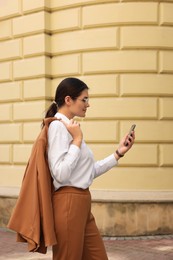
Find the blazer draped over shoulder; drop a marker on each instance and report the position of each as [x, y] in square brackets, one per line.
[33, 217]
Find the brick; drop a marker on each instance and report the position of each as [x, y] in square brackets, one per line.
[166, 151]
[166, 11]
[148, 154]
[33, 6]
[5, 112]
[150, 37]
[166, 108]
[11, 91]
[132, 107]
[68, 19]
[37, 89]
[10, 133]
[120, 13]
[153, 85]
[31, 24]
[84, 40]
[32, 67]
[106, 134]
[31, 131]
[150, 131]
[21, 153]
[130, 61]
[25, 111]
[54, 84]
[5, 71]
[10, 50]
[36, 45]
[9, 8]
[99, 85]
[5, 153]
[6, 30]
[135, 178]
[166, 61]
[11, 176]
[59, 4]
[66, 65]
[102, 85]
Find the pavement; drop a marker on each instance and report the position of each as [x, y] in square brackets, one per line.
[118, 248]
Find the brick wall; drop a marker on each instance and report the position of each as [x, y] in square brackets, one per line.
[123, 50]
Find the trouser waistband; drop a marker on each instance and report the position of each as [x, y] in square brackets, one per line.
[69, 189]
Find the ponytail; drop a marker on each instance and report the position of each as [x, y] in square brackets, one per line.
[52, 110]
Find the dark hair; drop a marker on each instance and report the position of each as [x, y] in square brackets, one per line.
[68, 87]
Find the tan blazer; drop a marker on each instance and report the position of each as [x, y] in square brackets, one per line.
[32, 217]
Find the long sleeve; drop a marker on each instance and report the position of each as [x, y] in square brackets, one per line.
[104, 165]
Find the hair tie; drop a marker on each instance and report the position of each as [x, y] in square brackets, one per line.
[54, 102]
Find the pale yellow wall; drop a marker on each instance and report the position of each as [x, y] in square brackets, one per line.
[123, 50]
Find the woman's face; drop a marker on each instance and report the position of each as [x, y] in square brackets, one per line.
[79, 106]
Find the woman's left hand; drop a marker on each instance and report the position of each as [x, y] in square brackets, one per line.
[125, 144]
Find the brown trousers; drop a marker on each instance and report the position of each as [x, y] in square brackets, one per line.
[77, 235]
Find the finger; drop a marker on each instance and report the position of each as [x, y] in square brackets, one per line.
[76, 123]
[134, 135]
[129, 141]
[126, 140]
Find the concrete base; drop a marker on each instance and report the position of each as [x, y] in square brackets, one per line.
[117, 215]
[133, 219]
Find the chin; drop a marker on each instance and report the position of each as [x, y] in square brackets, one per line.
[81, 115]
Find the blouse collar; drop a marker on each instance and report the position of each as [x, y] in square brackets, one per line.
[62, 116]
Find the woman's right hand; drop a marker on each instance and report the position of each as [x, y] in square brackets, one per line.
[74, 129]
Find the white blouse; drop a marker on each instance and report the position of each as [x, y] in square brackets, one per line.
[69, 164]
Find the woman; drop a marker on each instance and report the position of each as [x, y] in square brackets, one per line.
[73, 169]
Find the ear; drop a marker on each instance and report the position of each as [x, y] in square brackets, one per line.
[68, 100]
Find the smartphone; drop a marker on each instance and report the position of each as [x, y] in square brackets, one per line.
[132, 128]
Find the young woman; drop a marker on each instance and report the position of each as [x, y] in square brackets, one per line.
[73, 169]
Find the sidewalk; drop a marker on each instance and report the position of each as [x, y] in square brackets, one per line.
[122, 248]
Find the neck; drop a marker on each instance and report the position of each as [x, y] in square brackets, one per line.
[66, 113]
